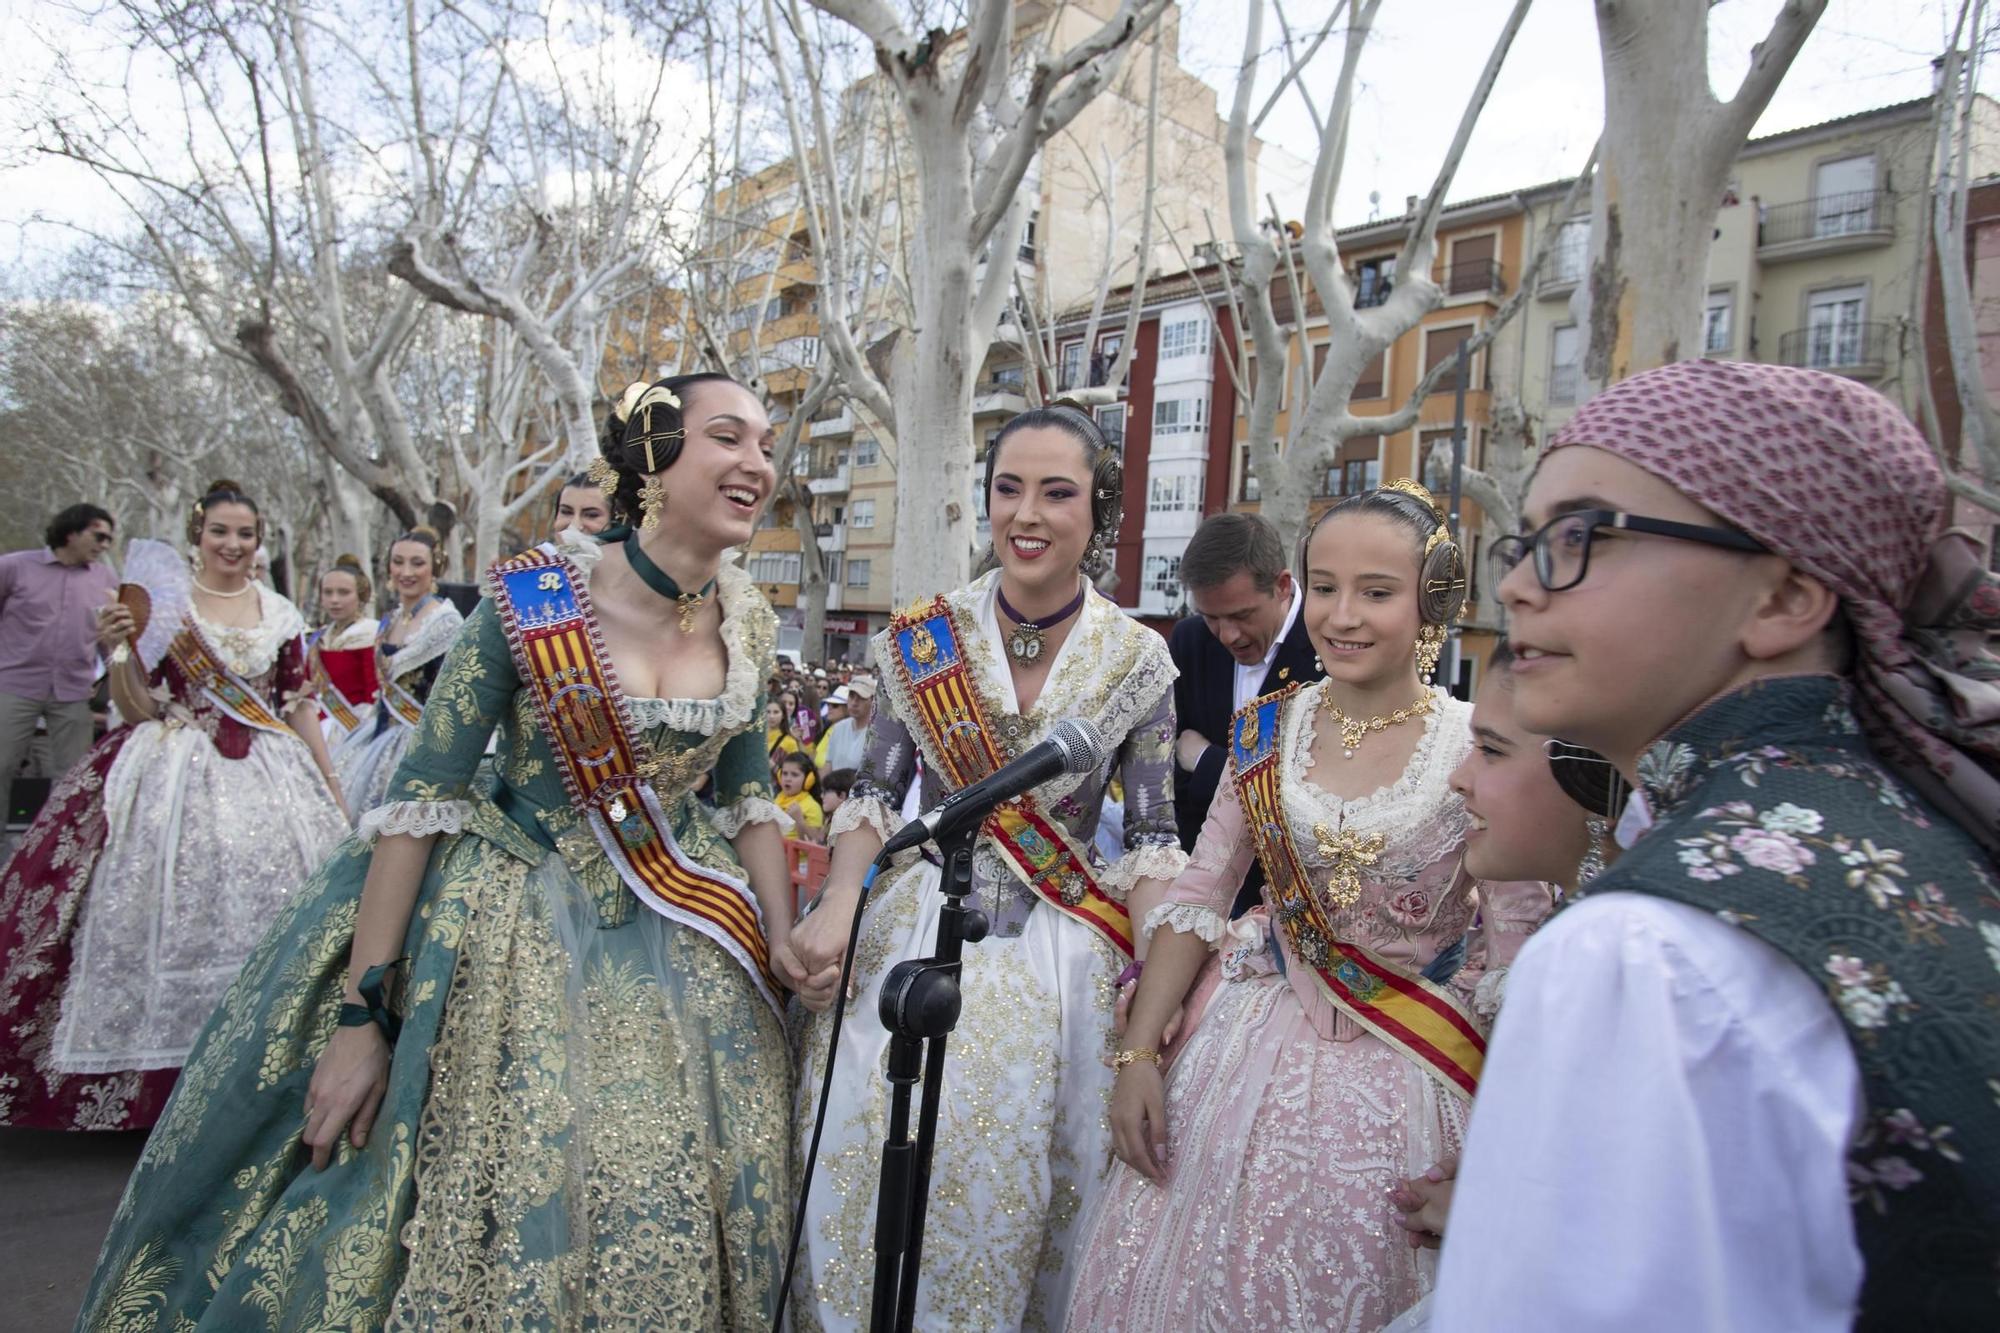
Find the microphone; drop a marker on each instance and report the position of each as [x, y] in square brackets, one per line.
[1074, 745]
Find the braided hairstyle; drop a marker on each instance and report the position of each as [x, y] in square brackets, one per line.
[1441, 583]
[1107, 474]
[643, 434]
[427, 537]
[219, 492]
[350, 564]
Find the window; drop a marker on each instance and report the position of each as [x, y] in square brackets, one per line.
[1435, 448]
[1569, 254]
[857, 573]
[1833, 327]
[1184, 337]
[1162, 575]
[1319, 363]
[831, 563]
[1565, 364]
[1474, 266]
[1442, 345]
[861, 514]
[1373, 280]
[1716, 335]
[866, 452]
[1069, 374]
[1180, 416]
[1010, 377]
[1370, 383]
[1356, 468]
[1249, 488]
[1844, 196]
[1111, 420]
[1176, 494]
[1028, 236]
[775, 567]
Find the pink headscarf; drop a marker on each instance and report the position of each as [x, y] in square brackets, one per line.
[1834, 478]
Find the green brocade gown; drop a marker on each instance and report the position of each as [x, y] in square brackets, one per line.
[586, 1124]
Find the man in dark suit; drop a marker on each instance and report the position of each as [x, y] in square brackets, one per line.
[1245, 639]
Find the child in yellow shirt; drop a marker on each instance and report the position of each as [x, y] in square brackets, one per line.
[794, 771]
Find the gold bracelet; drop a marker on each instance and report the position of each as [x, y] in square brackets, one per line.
[1123, 1058]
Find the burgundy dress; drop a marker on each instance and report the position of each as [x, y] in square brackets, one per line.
[152, 869]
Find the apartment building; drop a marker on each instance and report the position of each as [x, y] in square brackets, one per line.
[1820, 250]
[850, 468]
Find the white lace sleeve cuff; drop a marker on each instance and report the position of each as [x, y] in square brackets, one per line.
[1488, 995]
[1188, 919]
[1161, 860]
[419, 819]
[871, 811]
[732, 819]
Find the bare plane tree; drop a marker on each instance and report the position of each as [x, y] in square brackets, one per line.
[976, 107]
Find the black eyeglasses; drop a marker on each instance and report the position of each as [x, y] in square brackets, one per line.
[1562, 545]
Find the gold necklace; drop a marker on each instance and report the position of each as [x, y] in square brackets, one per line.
[1354, 730]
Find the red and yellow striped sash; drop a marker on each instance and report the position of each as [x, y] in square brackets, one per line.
[223, 687]
[933, 670]
[1411, 1013]
[609, 776]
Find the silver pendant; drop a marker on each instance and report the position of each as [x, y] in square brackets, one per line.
[617, 810]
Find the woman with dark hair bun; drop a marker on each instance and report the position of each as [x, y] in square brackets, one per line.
[973, 679]
[515, 1055]
[159, 861]
[410, 644]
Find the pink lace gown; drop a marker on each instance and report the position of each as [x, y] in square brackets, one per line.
[1287, 1122]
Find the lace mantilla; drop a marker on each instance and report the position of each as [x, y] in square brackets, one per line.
[249, 652]
[1416, 814]
[1124, 670]
[732, 819]
[419, 819]
[1188, 919]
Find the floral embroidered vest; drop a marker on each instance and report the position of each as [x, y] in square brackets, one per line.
[1770, 811]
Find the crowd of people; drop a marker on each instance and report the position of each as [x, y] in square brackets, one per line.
[456, 965]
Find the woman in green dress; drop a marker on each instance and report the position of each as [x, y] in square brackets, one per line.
[513, 1058]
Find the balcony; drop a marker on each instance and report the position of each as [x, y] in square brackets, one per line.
[1370, 289]
[994, 396]
[1827, 225]
[834, 483]
[1565, 267]
[840, 423]
[1472, 277]
[1860, 351]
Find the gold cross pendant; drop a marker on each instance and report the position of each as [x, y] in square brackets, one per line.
[1350, 854]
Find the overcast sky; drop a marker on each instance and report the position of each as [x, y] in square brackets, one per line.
[1540, 123]
[1548, 105]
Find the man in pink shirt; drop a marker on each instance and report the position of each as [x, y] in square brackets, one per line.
[49, 598]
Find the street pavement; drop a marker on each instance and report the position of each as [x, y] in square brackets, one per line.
[57, 1194]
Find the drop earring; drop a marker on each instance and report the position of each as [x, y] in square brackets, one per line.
[1430, 645]
[652, 499]
[195, 561]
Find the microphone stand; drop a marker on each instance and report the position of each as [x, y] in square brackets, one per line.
[919, 1006]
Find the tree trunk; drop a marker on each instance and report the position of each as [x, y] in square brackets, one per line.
[1668, 148]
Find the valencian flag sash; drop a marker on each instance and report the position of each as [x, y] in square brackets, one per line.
[608, 772]
[926, 642]
[400, 701]
[228, 691]
[1412, 1014]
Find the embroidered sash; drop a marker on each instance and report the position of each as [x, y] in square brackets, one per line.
[235, 696]
[1412, 1014]
[938, 681]
[609, 775]
[425, 645]
[337, 705]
